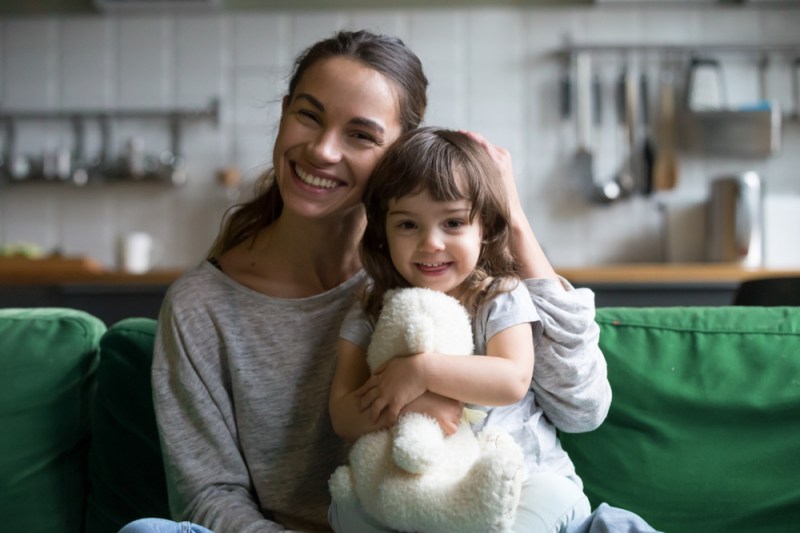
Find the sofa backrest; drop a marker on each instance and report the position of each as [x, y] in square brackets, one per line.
[704, 428]
[48, 359]
[125, 468]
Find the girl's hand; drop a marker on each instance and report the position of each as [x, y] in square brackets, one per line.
[392, 386]
[446, 411]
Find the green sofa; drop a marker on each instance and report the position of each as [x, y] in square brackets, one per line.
[703, 433]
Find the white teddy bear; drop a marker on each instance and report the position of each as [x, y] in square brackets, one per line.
[413, 477]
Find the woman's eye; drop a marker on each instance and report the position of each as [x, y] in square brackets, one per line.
[364, 137]
[310, 115]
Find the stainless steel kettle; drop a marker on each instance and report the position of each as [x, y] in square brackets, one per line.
[734, 220]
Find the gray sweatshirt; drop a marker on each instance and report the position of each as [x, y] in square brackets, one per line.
[241, 385]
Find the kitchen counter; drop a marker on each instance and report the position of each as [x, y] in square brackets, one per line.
[82, 283]
[14, 271]
[668, 273]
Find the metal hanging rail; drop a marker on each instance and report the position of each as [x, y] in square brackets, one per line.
[678, 49]
[210, 112]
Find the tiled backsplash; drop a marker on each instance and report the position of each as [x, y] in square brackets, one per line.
[491, 69]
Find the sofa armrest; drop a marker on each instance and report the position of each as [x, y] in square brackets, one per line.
[48, 358]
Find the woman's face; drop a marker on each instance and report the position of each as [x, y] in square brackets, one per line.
[338, 123]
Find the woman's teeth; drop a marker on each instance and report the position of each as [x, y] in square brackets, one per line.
[314, 181]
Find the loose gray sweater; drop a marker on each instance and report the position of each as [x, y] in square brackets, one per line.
[241, 385]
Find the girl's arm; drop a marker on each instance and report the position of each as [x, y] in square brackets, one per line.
[350, 421]
[502, 377]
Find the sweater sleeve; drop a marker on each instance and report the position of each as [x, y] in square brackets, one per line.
[570, 380]
[207, 478]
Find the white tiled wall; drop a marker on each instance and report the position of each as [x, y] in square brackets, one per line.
[491, 70]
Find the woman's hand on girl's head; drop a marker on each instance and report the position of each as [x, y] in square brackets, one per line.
[533, 263]
[502, 159]
[392, 386]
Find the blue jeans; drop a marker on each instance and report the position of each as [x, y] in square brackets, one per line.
[548, 503]
[161, 525]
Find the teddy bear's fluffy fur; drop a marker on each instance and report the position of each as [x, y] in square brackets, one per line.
[413, 477]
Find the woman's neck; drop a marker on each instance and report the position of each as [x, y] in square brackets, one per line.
[296, 257]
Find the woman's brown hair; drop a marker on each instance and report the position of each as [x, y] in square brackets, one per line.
[386, 55]
[450, 166]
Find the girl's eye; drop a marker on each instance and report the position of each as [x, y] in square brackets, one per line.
[406, 224]
[454, 223]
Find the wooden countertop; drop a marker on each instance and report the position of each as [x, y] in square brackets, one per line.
[65, 270]
[662, 273]
[49, 271]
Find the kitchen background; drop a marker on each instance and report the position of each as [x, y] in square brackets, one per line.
[496, 70]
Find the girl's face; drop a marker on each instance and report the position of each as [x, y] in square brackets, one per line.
[433, 244]
[336, 126]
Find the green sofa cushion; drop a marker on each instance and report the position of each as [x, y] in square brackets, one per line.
[704, 428]
[125, 466]
[48, 358]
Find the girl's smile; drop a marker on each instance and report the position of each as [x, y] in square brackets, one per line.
[433, 244]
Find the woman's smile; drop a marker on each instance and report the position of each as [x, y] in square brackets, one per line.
[316, 181]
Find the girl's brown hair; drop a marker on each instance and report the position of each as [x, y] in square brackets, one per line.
[450, 166]
[386, 55]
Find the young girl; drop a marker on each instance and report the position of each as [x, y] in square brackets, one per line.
[437, 217]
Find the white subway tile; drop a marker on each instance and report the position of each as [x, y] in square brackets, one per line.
[145, 59]
[86, 71]
[260, 40]
[30, 64]
[200, 60]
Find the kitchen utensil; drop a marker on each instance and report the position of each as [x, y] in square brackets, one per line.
[665, 165]
[648, 147]
[626, 105]
[583, 167]
[734, 220]
[705, 86]
[587, 115]
[796, 86]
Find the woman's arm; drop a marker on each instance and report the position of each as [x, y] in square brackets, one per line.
[524, 245]
[571, 382]
[501, 378]
[207, 478]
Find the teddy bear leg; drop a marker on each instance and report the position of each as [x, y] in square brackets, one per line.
[417, 442]
[493, 484]
[341, 485]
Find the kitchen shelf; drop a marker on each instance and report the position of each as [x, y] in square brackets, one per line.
[73, 167]
[210, 112]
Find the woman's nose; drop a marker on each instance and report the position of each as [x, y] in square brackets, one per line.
[325, 148]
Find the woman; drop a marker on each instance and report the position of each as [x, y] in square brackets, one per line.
[246, 346]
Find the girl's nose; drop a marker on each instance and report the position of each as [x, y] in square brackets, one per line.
[324, 148]
[431, 241]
